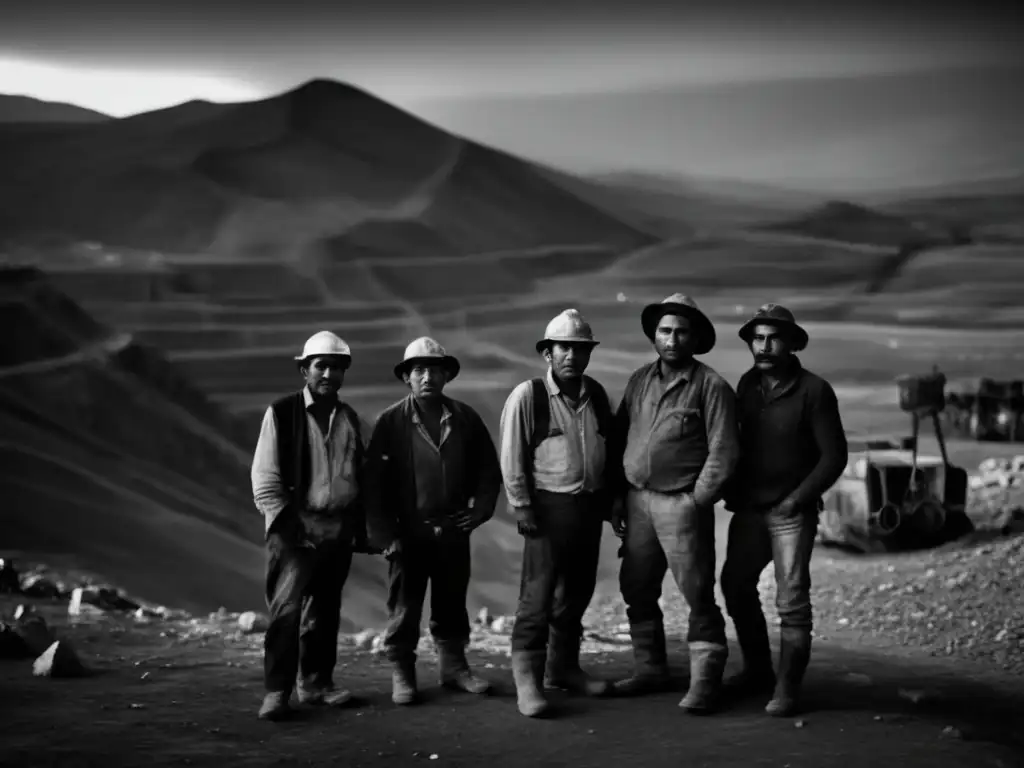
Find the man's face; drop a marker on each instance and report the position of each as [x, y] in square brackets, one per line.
[770, 346]
[426, 380]
[568, 361]
[674, 340]
[325, 375]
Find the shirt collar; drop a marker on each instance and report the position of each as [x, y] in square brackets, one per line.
[554, 391]
[307, 396]
[445, 413]
[685, 375]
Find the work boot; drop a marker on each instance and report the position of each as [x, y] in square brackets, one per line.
[563, 669]
[794, 655]
[275, 705]
[403, 683]
[707, 663]
[455, 672]
[650, 661]
[756, 677]
[527, 668]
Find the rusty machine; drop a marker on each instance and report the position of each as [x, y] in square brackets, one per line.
[986, 409]
[891, 497]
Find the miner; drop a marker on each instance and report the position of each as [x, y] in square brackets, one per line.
[432, 478]
[677, 442]
[306, 480]
[793, 448]
[553, 434]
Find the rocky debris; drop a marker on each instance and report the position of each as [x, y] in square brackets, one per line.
[12, 645]
[102, 598]
[364, 641]
[39, 585]
[9, 581]
[996, 494]
[484, 617]
[37, 636]
[23, 612]
[59, 660]
[251, 622]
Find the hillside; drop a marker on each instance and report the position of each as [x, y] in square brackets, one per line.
[323, 170]
[25, 109]
[116, 462]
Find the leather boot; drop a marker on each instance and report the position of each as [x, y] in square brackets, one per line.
[563, 668]
[403, 683]
[707, 663]
[455, 672]
[756, 676]
[650, 658]
[794, 655]
[275, 706]
[527, 668]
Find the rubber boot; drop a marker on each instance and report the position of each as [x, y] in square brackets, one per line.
[707, 663]
[527, 667]
[650, 660]
[455, 672]
[756, 677]
[403, 683]
[563, 668]
[794, 655]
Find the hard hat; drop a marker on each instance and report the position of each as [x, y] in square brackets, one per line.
[428, 350]
[568, 327]
[324, 343]
[684, 306]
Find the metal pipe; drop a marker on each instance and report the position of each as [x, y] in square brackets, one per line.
[885, 520]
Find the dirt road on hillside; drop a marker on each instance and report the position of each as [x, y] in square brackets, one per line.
[160, 701]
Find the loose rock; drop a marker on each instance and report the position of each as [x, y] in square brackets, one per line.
[38, 585]
[59, 660]
[251, 622]
[35, 633]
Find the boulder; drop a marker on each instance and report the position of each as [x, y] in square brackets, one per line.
[12, 645]
[251, 622]
[59, 660]
[35, 633]
[101, 598]
[364, 640]
[39, 585]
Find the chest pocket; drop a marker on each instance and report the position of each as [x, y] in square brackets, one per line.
[552, 455]
[686, 422]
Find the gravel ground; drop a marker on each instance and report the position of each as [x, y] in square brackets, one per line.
[964, 600]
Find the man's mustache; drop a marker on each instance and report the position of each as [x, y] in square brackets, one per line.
[765, 358]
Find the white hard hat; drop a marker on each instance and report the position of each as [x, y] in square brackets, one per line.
[427, 349]
[568, 327]
[324, 343]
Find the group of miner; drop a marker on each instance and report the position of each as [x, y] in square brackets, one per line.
[415, 485]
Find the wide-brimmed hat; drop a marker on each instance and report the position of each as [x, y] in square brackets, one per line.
[780, 317]
[568, 327]
[427, 350]
[324, 344]
[682, 305]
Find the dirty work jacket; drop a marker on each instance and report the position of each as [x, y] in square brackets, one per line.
[570, 461]
[792, 441]
[468, 458]
[332, 471]
[674, 436]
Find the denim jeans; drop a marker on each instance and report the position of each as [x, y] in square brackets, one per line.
[444, 563]
[662, 532]
[303, 593]
[559, 570]
[757, 538]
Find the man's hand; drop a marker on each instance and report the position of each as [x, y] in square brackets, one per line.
[465, 521]
[787, 508]
[526, 521]
[393, 550]
[619, 518]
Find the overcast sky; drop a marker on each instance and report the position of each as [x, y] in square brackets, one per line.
[488, 70]
[134, 55]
